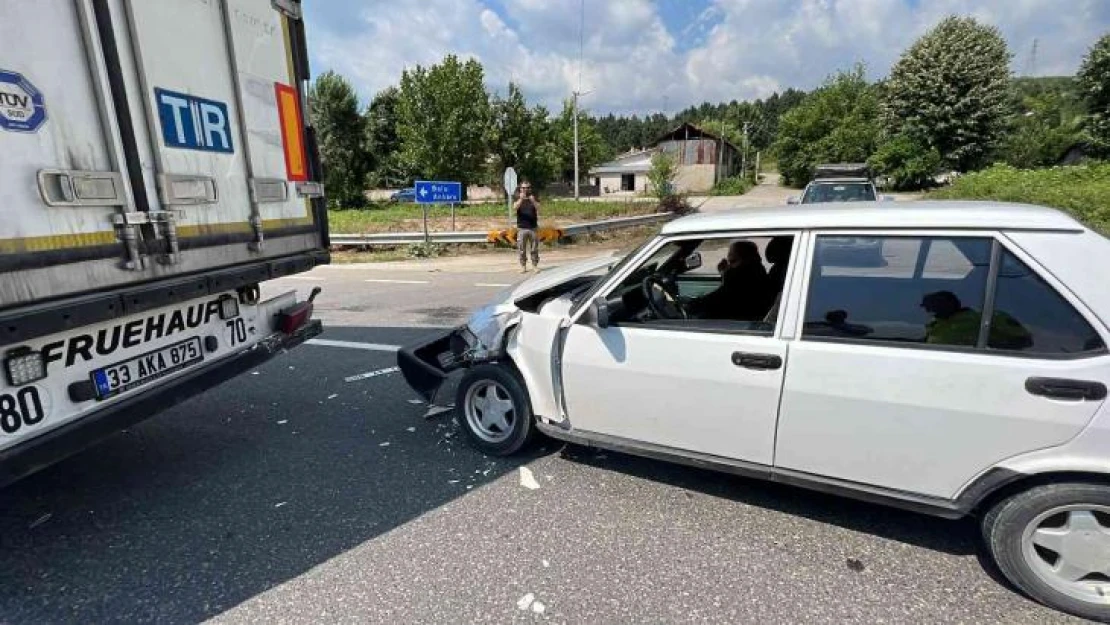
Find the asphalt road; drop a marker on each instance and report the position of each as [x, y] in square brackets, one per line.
[304, 492]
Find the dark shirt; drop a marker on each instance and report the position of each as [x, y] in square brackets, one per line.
[526, 216]
[744, 295]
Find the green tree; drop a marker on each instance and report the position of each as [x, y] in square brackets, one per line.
[664, 169]
[592, 149]
[949, 91]
[1094, 83]
[443, 121]
[382, 141]
[521, 140]
[906, 162]
[835, 123]
[334, 109]
[1042, 129]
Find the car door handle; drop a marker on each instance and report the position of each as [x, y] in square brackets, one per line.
[756, 361]
[1061, 388]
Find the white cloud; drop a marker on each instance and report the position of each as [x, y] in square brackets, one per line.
[732, 49]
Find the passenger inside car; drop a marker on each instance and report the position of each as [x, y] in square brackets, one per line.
[746, 291]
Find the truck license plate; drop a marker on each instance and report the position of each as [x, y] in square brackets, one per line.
[124, 376]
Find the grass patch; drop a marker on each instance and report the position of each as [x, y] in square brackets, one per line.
[1082, 190]
[734, 185]
[382, 217]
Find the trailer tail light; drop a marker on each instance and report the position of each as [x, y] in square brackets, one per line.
[24, 366]
[296, 316]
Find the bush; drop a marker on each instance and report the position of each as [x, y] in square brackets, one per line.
[1082, 190]
[664, 169]
[675, 203]
[733, 185]
[906, 163]
[424, 250]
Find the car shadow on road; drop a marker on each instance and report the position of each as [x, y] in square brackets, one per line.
[959, 537]
[238, 490]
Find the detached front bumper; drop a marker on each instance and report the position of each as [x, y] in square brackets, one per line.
[425, 365]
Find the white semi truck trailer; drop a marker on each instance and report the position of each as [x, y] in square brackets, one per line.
[157, 164]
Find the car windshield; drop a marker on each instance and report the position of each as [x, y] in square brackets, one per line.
[821, 192]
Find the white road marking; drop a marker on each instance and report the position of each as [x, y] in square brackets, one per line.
[492, 284]
[374, 347]
[385, 281]
[371, 374]
[309, 278]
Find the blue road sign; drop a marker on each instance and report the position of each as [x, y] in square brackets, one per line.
[193, 123]
[429, 192]
[22, 108]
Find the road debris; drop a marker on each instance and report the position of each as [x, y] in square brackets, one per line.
[283, 422]
[410, 429]
[538, 607]
[527, 479]
[545, 563]
[435, 411]
[39, 521]
[371, 374]
[525, 602]
[855, 565]
[333, 395]
[385, 444]
[416, 402]
[280, 504]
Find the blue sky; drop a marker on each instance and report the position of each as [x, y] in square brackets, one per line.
[642, 56]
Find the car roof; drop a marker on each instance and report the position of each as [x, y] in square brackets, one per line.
[885, 215]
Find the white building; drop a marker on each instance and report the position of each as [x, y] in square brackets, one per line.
[702, 157]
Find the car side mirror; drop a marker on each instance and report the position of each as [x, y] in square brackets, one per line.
[793, 199]
[597, 314]
[692, 262]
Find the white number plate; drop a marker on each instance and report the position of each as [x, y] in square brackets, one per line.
[124, 376]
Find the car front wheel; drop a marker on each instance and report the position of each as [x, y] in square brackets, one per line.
[1053, 543]
[493, 409]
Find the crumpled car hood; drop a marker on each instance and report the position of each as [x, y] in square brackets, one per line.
[557, 275]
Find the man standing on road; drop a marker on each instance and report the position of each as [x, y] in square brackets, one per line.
[527, 222]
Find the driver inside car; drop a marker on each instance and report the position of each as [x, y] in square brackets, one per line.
[745, 293]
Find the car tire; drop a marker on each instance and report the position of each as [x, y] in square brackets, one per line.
[493, 409]
[1017, 529]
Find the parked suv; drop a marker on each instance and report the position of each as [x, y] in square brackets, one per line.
[845, 182]
[965, 375]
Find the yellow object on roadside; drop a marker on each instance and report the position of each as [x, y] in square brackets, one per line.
[508, 235]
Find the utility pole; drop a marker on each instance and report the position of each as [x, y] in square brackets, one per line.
[575, 95]
[575, 107]
[744, 153]
[720, 153]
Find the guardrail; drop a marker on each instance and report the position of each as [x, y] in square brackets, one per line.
[402, 238]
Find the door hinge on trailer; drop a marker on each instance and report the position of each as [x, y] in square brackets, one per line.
[290, 8]
[165, 227]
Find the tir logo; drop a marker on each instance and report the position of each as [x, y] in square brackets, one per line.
[193, 123]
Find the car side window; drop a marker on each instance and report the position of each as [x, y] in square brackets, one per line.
[1033, 318]
[927, 290]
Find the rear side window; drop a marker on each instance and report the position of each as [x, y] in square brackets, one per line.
[1034, 318]
[932, 290]
[898, 289]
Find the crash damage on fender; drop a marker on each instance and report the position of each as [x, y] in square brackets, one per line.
[483, 338]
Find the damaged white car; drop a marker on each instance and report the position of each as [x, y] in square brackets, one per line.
[964, 374]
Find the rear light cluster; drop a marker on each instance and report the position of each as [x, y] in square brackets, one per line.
[296, 316]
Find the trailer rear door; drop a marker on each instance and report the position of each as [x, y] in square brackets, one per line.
[174, 142]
